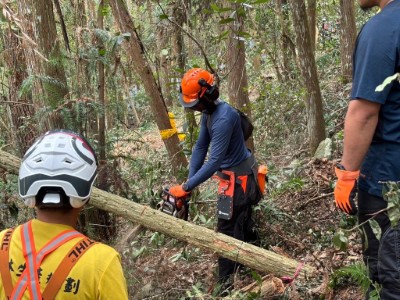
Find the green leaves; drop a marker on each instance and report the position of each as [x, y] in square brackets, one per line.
[218, 9]
[340, 240]
[226, 21]
[376, 229]
[391, 194]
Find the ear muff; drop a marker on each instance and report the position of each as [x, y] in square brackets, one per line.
[211, 91]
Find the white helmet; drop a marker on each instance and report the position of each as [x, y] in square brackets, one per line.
[59, 166]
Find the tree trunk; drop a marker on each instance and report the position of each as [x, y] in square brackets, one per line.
[136, 52]
[287, 52]
[236, 61]
[164, 61]
[308, 69]
[44, 58]
[348, 37]
[179, 15]
[247, 254]
[46, 32]
[33, 60]
[102, 102]
[312, 21]
[21, 108]
[81, 85]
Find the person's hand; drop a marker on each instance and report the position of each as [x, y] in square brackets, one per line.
[346, 190]
[178, 192]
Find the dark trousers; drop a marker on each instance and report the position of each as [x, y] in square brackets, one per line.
[382, 256]
[240, 226]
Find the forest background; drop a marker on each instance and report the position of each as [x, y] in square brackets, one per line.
[110, 69]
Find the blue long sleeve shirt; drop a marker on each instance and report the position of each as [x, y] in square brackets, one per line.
[223, 140]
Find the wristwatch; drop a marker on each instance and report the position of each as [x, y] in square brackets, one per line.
[340, 167]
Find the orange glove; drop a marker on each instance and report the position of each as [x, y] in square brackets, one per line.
[346, 190]
[178, 192]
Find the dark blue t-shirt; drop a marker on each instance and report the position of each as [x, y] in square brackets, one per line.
[376, 57]
[224, 141]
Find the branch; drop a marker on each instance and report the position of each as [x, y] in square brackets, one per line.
[63, 27]
[206, 61]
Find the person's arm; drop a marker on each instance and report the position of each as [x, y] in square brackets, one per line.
[221, 134]
[360, 123]
[200, 149]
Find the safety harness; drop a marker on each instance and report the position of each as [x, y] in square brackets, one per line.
[33, 259]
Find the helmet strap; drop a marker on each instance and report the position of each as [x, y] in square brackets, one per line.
[210, 105]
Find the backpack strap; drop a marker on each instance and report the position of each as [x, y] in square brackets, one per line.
[4, 263]
[62, 271]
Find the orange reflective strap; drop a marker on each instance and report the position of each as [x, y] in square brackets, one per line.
[4, 263]
[49, 247]
[65, 267]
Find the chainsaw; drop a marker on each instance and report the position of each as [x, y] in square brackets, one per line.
[176, 207]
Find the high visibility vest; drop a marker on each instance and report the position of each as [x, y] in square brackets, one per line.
[33, 259]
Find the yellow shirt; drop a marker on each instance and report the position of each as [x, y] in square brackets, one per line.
[97, 275]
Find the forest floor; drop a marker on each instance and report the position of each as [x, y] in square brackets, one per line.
[299, 223]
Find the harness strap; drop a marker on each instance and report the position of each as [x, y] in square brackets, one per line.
[29, 251]
[49, 247]
[4, 264]
[65, 267]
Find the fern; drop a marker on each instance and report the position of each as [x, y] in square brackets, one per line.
[26, 86]
[356, 273]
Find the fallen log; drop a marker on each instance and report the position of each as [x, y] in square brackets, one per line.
[249, 255]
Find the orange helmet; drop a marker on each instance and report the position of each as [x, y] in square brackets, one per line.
[191, 90]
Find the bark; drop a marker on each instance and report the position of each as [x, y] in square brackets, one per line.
[286, 46]
[236, 61]
[256, 258]
[81, 85]
[46, 32]
[20, 107]
[135, 50]
[102, 102]
[308, 69]
[179, 56]
[347, 38]
[44, 58]
[179, 15]
[33, 60]
[312, 21]
[164, 62]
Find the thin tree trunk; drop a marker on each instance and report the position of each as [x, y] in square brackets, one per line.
[286, 51]
[312, 21]
[179, 14]
[102, 102]
[308, 69]
[347, 38]
[56, 83]
[135, 50]
[164, 62]
[236, 60]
